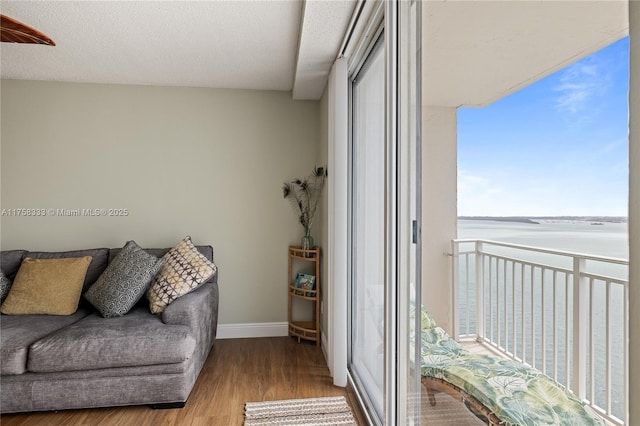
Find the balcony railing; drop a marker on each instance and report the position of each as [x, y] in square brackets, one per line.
[563, 313]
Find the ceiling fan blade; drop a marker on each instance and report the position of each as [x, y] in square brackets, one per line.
[12, 31]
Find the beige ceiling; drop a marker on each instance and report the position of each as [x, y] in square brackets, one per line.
[226, 44]
[475, 51]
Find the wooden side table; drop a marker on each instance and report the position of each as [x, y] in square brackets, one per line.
[308, 330]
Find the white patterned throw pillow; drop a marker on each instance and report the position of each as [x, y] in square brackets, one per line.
[184, 269]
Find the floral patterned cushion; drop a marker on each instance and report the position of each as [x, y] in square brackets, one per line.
[427, 320]
[437, 343]
[517, 394]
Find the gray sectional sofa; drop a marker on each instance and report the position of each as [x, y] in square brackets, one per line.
[50, 362]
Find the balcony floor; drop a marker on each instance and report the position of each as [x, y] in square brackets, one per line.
[478, 348]
[447, 412]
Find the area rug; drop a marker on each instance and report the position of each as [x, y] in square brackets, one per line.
[313, 411]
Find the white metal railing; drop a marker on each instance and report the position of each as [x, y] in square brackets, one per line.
[563, 313]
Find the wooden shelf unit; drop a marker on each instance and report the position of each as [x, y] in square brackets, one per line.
[307, 330]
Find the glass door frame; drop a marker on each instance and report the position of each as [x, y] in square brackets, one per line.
[400, 379]
[358, 65]
[402, 368]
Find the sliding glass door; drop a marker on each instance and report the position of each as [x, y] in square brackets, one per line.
[368, 228]
[384, 187]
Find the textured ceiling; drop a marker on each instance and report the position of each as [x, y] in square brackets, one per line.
[226, 44]
[474, 52]
[323, 27]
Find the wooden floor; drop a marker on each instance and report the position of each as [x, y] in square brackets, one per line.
[237, 371]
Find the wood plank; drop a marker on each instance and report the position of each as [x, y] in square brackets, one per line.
[237, 371]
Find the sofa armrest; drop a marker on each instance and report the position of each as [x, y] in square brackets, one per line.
[197, 310]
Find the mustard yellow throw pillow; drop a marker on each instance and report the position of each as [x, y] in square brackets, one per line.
[47, 286]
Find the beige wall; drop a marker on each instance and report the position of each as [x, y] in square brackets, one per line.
[439, 209]
[184, 161]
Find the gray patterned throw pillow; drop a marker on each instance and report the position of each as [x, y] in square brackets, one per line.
[124, 281]
[5, 286]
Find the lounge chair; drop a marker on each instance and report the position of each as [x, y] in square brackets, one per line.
[496, 390]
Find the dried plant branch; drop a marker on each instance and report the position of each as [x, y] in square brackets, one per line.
[304, 195]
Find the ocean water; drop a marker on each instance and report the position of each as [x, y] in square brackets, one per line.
[608, 239]
[602, 239]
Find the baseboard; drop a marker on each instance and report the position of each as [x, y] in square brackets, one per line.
[249, 330]
[324, 344]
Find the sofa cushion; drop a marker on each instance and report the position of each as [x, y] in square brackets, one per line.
[19, 332]
[47, 286]
[124, 282]
[137, 338]
[99, 259]
[184, 269]
[10, 261]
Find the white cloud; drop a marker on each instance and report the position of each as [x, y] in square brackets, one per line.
[613, 146]
[478, 195]
[498, 193]
[579, 83]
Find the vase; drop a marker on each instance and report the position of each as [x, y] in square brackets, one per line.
[307, 242]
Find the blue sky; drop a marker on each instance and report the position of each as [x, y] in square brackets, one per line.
[556, 147]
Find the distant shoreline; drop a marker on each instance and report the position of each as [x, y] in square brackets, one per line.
[534, 220]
